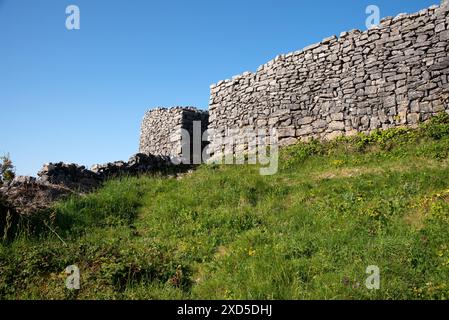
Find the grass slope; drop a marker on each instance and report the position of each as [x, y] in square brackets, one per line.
[225, 232]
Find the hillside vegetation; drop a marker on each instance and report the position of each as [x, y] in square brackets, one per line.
[225, 232]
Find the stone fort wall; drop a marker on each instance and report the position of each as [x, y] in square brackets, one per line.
[394, 75]
[160, 132]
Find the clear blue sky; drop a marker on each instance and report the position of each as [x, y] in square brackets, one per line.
[79, 96]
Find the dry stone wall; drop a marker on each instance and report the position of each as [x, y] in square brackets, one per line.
[57, 180]
[394, 75]
[161, 129]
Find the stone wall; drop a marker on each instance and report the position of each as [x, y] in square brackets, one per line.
[79, 178]
[57, 180]
[161, 129]
[394, 75]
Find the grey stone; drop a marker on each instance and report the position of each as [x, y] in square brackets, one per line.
[444, 35]
[305, 120]
[413, 118]
[337, 125]
[286, 132]
[305, 130]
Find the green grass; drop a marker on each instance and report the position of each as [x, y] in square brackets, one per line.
[226, 232]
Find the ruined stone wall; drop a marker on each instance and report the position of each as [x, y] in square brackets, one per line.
[161, 129]
[396, 74]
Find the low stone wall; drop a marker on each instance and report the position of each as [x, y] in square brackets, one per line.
[71, 175]
[138, 164]
[58, 180]
[161, 129]
[79, 178]
[391, 76]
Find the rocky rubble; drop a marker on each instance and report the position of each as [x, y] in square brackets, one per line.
[71, 176]
[27, 194]
[138, 164]
[58, 180]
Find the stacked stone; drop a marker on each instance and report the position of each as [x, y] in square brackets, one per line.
[79, 178]
[58, 180]
[393, 75]
[71, 175]
[161, 129]
[137, 164]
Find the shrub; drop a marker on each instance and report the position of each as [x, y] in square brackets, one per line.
[299, 152]
[6, 169]
[437, 127]
[385, 139]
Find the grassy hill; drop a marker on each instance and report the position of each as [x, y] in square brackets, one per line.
[225, 232]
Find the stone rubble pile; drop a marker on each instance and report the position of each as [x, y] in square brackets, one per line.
[58, 180]
[138, 164]
[71, 175]
[79, 178]
[26, 195]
